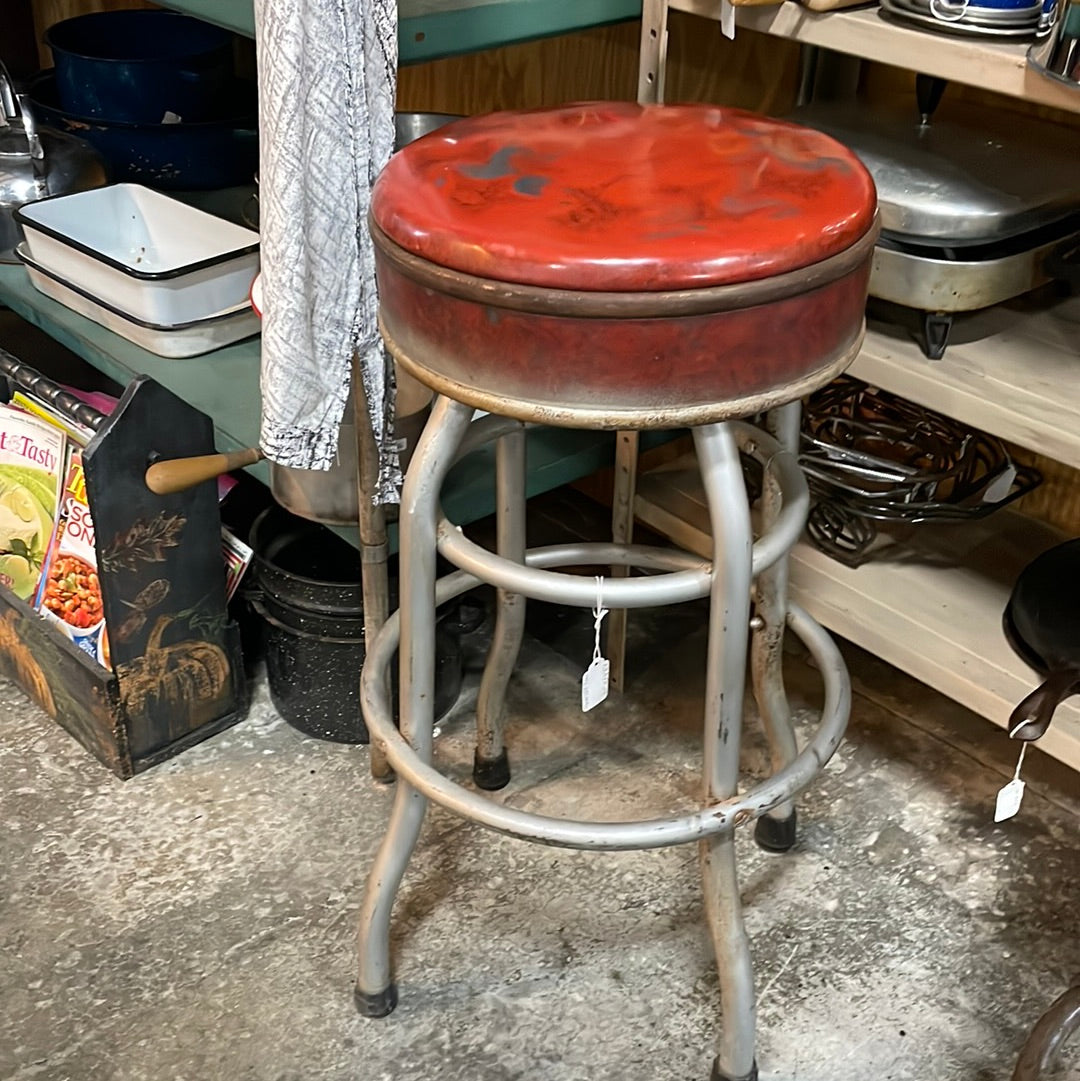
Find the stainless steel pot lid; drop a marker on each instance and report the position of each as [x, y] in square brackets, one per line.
[971, 176]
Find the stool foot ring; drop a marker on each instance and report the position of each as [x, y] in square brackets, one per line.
[719, 1075]
[380, 1004]
[491, 774]
[611, 836]
[777, 834]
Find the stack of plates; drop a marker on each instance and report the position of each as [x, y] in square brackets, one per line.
[1015, 19]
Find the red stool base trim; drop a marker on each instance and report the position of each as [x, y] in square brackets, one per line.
[655, 416]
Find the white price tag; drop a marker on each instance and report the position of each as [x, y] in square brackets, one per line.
[998, 489]
[727, 19]
[1009, 798]
[594, 684]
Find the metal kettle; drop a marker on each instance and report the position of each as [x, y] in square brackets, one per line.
[1057, 52]
[35, 163]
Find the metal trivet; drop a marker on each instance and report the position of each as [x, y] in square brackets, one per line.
[870, 456]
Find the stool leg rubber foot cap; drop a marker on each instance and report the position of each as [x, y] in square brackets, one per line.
[776, 834]
[719, 1075]
[491, 774]
[378, 1005]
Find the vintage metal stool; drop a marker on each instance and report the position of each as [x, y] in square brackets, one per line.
[610, 265]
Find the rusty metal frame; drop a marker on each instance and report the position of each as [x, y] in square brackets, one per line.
[614, 836]
[374, 543]
[687, 576]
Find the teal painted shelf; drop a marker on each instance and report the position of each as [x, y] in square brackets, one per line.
[225, 386]
[556, 456]
[431, 29]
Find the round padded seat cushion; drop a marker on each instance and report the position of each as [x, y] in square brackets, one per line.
[615, 196]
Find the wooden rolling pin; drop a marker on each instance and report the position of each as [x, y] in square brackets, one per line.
[177, 474]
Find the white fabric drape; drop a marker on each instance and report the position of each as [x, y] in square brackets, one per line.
[327, 79]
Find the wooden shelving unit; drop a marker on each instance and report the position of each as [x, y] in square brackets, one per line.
[1012, 370]
[866, 33]
[933, 605]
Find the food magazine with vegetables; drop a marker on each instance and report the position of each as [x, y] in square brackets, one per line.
[70, 592]
[31, 472]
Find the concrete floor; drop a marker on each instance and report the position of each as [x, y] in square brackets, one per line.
[197, 923]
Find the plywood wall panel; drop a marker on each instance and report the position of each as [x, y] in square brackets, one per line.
[594, 63]
[1057, 499]
[755, 72]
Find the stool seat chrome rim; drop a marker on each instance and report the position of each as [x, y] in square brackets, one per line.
[605, 836]
[644, 304]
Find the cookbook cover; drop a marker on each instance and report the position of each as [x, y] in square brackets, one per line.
[31, 471]
[71, 593]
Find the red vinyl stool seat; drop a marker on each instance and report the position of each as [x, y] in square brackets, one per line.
[618, 265]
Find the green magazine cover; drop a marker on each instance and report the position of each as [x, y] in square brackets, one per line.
[31, 473]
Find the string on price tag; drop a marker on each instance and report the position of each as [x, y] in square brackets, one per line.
[594, 683]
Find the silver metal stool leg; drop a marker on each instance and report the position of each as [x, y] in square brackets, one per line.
[375, 992]
[491, 767]
[374, 549]
[729, 617]
[776, 831]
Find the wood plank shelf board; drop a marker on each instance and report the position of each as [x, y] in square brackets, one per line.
[432, 29]
[866, 33]
[932, 609]
[1011, 370]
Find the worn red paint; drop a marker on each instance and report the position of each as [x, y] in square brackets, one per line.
[622, 197]
[652, 366]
